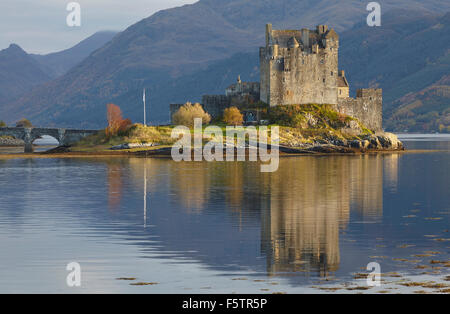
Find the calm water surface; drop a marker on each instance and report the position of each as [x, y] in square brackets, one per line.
[221, 227]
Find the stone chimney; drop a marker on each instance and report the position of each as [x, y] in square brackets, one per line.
[268, 34]
[322, 29]
[305, 38]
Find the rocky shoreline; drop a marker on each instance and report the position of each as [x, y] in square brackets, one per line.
[378, 142]
[373, 142]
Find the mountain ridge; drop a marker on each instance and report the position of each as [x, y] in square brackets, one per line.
[19, 72]
[61, 61]
[159, 52]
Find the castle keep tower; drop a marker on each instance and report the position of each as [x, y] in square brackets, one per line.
[299, 66]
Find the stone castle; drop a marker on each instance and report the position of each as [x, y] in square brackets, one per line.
[300, 67]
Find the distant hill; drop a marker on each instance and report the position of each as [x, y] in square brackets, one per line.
[60, 62]
[19, 73]
[409, 57]
[177, 54]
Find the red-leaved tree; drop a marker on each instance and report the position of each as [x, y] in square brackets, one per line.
[116, 123]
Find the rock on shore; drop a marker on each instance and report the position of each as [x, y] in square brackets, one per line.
[378, 141]
[372, 142]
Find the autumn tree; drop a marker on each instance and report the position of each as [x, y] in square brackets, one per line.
[232, 116]
[188, 112]
[116, 123]
[24, 123]
[2, 124]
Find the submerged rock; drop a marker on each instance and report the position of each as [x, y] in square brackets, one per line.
[132, 145]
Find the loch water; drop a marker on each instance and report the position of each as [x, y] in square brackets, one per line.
[221, 227]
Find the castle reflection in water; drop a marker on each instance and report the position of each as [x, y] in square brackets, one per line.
[301, 209]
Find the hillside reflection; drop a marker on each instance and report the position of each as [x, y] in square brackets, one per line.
[300, 209]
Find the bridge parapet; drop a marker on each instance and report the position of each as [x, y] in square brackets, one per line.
[29, 135]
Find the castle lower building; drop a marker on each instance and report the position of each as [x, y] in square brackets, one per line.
[300, 67]
[236, 94]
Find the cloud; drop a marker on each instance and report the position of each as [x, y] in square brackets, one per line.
[40, 26]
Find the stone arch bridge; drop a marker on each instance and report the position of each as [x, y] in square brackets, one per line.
[29, 135]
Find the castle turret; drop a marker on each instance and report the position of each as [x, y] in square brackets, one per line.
[275, 50]
[293, 43]
[331, 39]
[343, 86]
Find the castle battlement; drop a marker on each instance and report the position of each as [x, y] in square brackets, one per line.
[369, 92]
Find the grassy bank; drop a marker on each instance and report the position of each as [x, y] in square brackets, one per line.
[299, 125]
[137, 133]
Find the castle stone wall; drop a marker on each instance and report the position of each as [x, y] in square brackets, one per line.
[366, 107]
[299, 67]
[215, 104]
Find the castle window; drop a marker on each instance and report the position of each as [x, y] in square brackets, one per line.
[331, 73]
[324, 80]
[321, 61]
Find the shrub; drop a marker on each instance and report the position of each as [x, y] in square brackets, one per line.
[188, 112]
[139, 133]
[116, 123]
[232, 116]
[24, 123]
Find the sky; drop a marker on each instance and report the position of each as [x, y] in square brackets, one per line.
[41, 27]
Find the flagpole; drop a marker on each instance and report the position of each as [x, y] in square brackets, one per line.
[143, 97]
